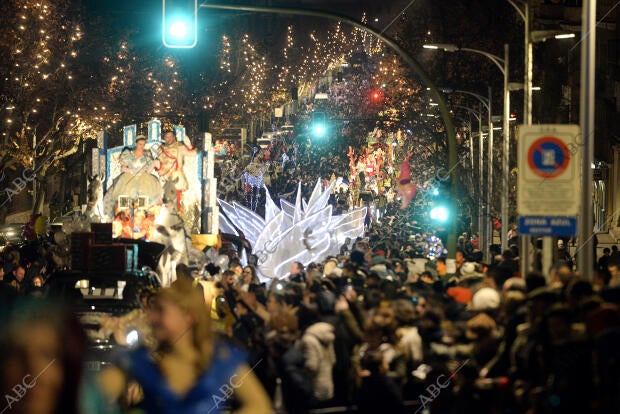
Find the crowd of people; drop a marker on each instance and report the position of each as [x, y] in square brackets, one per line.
[371, 330]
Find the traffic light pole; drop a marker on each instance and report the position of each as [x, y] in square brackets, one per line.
[417, 68]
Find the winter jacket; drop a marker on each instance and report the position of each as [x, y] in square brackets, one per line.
[317, 345]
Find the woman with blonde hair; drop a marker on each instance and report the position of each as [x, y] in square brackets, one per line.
[191, 371]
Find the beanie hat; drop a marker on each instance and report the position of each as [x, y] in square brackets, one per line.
[485, 298]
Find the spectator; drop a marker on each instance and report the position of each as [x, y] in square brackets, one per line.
[604, 260]
[17, 280]
[378, 392]
[317, 346]
[297, 392]
[190, 361]
[248, 277]
[297, 273]
[38, 337]
[7, 292]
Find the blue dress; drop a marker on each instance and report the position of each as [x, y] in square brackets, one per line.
[208, 395]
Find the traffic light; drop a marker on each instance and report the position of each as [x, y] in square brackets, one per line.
[318, 130]
[319, 126]
[180, 23]
[439, 203]
[376, 97]
[439, 213]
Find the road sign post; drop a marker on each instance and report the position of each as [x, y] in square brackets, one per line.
[549, 190]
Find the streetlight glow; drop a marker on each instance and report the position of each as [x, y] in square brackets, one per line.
[430, 47]
[565, 36]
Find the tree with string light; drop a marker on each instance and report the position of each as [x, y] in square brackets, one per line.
[41, 119]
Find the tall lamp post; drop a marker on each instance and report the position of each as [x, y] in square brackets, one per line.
[502, 65]
[522, 7]
[415, 66]
[483, 222]
[587, 255]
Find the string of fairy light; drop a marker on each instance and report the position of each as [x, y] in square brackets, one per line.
[44, 45]
[246, 85]
[250, 82]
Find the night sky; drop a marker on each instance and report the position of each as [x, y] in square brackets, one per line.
[143, 17]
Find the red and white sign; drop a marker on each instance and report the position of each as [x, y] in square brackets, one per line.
[549, 169]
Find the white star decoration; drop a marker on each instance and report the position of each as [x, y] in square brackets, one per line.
[304, 232]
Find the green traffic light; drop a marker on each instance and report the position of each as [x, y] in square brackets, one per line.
[319, 130]
[178, 30]
[180, 23]
[384, 85]
[439, 213]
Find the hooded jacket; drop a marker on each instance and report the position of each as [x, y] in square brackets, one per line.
[317, 345]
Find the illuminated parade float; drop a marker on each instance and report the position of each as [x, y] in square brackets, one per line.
[160, 188]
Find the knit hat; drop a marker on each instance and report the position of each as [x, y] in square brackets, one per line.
[468, 269]
[484, 299]
[357, 257]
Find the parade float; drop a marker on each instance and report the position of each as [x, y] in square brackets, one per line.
[305, 232]
[155, 188]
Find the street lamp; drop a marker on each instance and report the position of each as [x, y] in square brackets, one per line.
[522, 7]
[483, 221]
[539, 36]
[502, 65]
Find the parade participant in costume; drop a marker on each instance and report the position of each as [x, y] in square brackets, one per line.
[171, 156]
[406, 188]
[352, 160]
[191, 372]
[122, 226]
[136, 179]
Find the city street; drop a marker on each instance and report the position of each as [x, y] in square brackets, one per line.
[313, 206]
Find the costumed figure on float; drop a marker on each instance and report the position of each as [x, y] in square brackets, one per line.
[171, 156]
[142, 205]
[406, 188]
[136, 179]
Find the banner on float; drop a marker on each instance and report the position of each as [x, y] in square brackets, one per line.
[179, 133]
[129, 135]
[155, 130]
